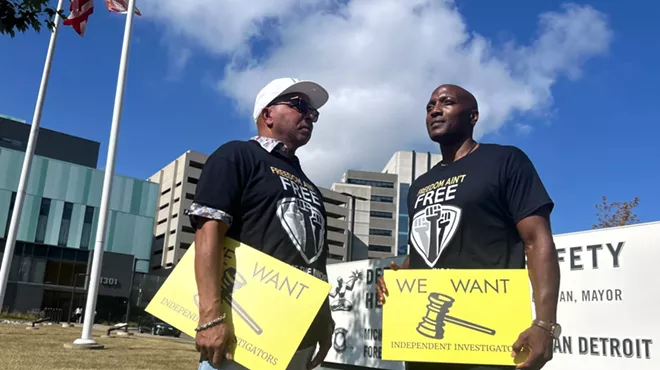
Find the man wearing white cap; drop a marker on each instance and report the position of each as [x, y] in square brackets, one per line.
[256, 192]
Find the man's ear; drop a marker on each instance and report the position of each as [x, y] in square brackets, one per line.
[474, 117]
[267, 117]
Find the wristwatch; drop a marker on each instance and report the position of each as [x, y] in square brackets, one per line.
[553, 328]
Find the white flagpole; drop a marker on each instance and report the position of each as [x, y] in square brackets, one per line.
[10, 243]
[90, 308]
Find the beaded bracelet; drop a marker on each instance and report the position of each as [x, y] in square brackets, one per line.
[211, 323]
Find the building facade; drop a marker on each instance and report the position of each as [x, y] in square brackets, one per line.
[381, 221]
[408, 166]
[173, 233]
[14, 135]
[57, 231]
[375, 199]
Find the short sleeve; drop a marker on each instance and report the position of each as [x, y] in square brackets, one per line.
[219, 188]
[524, 191]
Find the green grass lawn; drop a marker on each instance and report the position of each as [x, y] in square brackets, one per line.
[22, 349]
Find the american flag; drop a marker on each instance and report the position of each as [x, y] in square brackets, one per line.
[119, 6]
[80, 11]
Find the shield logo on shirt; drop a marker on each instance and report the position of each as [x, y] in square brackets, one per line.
[432, 229]
[305, 226]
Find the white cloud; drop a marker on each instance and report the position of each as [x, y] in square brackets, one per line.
[380, 60]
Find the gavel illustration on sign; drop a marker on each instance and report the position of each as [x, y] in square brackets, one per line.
[433, 324]
[233, 279]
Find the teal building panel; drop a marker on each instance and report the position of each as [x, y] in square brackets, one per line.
[132, 213]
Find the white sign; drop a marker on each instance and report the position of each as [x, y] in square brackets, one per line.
[357, 314]
[609, 304]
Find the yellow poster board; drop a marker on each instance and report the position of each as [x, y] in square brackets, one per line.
[455, 316]
[269, 303]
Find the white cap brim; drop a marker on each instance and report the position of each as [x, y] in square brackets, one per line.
[316, 93]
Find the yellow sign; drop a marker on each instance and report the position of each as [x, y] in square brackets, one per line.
[269, 303]
[455, 316]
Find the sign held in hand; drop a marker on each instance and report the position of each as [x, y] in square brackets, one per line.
[267, 335]
[455, 316]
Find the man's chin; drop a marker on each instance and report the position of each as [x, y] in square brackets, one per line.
[304, 138]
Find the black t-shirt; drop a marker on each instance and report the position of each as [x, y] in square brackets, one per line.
[268, 203]
[464, 215]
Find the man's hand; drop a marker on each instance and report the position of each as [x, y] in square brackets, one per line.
[215, 343]
[325, 342]
[381, 288]
[538, 343]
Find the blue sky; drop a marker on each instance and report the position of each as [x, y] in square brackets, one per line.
[589, 134]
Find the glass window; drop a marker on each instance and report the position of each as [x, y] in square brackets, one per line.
[380, 232]
[38, 270]
[403, 198]
[379, 248]
[374, 183]
[66, 224]
[40, 251]
[382, 198]
[87, 227]
[65, 276]
[403, 223]
[14, 268]
[380, 214]
[51, 272]
[10, 212]
[42, 221]
[24, 269]
[194, 164]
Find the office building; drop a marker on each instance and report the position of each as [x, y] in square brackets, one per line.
[53, 252]
[173, 233]
[337, 210]
[375, 197]
[381, 221]
[407, 166]
[14, 135]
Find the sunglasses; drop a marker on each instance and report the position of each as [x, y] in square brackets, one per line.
[301, 105]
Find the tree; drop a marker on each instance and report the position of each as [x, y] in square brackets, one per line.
[22, 15]
[616, 213]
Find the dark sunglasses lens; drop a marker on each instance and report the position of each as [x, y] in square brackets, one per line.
[303, 106]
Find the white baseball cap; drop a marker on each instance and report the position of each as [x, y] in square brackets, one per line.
[317, 95]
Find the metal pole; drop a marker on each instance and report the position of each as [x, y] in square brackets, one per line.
[130, 293]
[27, 161]
[349, 250]
[90, 307]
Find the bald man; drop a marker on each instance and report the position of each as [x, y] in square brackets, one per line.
[495, 211]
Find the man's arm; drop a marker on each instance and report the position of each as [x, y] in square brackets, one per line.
[209, 253]
[542, 263]
[216, 202]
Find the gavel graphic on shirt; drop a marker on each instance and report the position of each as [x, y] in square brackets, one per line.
[433, 324]
[232, 279]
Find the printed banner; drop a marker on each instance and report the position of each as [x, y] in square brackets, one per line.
[455, 316]
[269, 303]
[358, 314]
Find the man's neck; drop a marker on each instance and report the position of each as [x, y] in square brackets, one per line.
[455, 151]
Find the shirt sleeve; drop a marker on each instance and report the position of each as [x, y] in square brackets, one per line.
[219, 189]
[524, 191]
